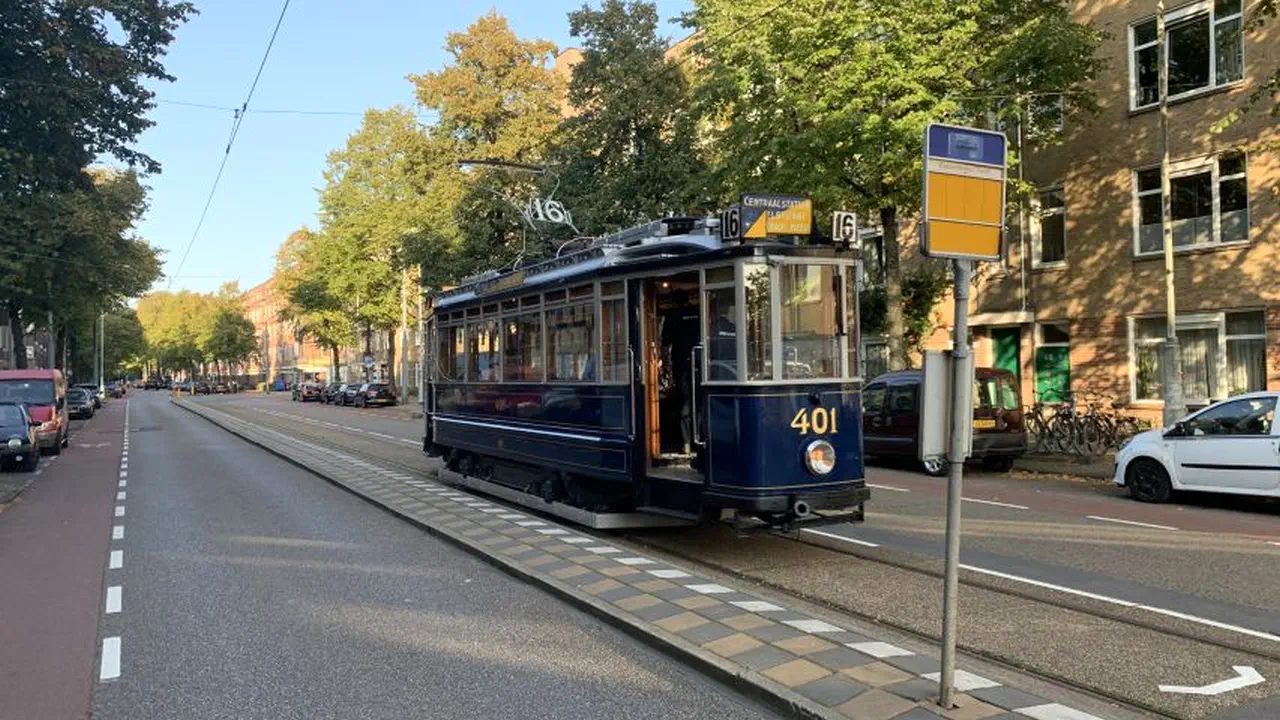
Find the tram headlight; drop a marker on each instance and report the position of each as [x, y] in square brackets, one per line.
[820, 457]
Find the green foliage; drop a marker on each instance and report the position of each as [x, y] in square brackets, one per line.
[231, 339]
[185, 330]
[628, 152]
[923, 287]
[302, 265]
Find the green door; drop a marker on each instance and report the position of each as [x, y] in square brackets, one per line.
[1053, 374]
[1006, 347]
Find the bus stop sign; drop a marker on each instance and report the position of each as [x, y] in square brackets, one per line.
[964, 189]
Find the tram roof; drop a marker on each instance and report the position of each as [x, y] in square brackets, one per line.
[669, 239]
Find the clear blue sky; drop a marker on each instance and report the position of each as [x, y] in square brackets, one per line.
[330, 55]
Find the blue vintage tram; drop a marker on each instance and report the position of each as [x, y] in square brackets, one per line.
[661, 375]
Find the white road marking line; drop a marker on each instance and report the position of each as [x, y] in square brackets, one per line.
[1130, 522]
[997, 504]
[1273, 543]
[530, 523]
[603, 550]
[124, 483]
[117, 532]
[634, 561]
[1054, 711]
[1246, 676]
[813, 626]
[834, 536]
[119, 511]
[110, 669]
[121, 495]
[887, 487]
[511, 516]
[577, 540]
[709, 589]
[114, 599]
[1127, 603]
[491, 510]
[124, 473]
[552, 531]
[756, 606]
[669, 574]
[879, 649]
[964, 680]
[117, 560]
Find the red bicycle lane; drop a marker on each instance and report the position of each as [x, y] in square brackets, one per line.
[54, 542]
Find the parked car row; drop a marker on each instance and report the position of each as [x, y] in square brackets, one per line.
[352, 394]
[36, 407]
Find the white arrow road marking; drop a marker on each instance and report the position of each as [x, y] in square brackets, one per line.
[1245, 676]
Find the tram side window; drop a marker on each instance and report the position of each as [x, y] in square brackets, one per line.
[851, 316]
[613, 329]
[810, 346]
[571, 343]
[451, 353]
[722, 334]
[522, 360]
[759, 324]
[483, 342]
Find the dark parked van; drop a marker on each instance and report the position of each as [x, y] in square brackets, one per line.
[891, 418]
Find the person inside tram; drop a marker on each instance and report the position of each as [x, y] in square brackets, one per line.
[679, 336]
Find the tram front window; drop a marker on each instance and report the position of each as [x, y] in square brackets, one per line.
[810, 306]
[722, 334]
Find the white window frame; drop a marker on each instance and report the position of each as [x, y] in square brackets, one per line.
[1037, 213]
[1042, 343]
[1190, 10]
[1191, 321]
[1186, 168]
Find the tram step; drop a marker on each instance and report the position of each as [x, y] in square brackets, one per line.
[692, 517]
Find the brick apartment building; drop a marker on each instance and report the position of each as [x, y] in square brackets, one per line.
[280, 352]
[1080, 303]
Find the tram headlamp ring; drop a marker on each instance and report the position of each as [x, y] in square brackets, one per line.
[820, 457]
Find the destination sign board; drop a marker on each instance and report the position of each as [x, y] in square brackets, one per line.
[763, 215]
[964, 193]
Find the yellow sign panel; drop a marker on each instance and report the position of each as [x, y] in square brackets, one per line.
[964, 185]
[769, 215]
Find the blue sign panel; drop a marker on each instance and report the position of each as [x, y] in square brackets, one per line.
[966, 145]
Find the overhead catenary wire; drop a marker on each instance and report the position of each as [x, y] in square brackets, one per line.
[235, 130]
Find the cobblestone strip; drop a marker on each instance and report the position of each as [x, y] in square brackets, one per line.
[817, 668]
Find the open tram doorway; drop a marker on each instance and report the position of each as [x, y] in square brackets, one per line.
[672, 331]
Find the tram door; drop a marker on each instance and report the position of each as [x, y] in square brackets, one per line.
[672, 331]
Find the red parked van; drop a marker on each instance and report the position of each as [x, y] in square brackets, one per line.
[44, 392]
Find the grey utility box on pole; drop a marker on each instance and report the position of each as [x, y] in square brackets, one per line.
[935, 404]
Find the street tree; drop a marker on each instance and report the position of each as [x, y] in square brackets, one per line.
[628, 151]
[831, 98]
[498, 99]
[231, 340]
[302, 279]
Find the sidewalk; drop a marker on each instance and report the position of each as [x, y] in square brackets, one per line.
[1100, 467]
[812, 663]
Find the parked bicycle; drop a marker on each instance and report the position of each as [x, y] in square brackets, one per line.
[1064, 428]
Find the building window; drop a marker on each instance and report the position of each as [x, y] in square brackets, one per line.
[1050, 246]
[1206, 50]
[1207, 371]
[1053, 362]
[1209, 203]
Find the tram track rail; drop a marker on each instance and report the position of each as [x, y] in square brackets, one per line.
[407, 459]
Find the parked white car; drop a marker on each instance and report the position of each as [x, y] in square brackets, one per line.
[1231, 446]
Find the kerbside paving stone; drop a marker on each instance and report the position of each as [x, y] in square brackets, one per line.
[817, 668]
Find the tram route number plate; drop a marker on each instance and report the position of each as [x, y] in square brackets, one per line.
[819, 421]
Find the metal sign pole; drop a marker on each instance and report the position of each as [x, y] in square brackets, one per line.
[961, 417]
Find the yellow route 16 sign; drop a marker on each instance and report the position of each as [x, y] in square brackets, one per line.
[964, 193]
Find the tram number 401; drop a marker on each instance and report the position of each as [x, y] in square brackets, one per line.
[819, 421]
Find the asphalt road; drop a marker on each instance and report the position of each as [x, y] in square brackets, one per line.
[253, 589]
[1206, 568]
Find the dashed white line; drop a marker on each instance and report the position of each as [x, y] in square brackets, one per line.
[1130, 522]
[119, 511]
[756, 606]
[124, 483]
[552, 531]
[530, 523]
[669, 574]
[114, 599]
[888, 487]
[634, 561]
[110, 669]
[964, 680]
[709, 589]
[117, 560]
[834, 536]
[1127, 603]
[996, 503]
[122, 495]
[117, 532]
[1273, 543]
[577, 540]
[603, 550]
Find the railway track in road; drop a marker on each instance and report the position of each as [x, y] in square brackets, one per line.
[1155, 636]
